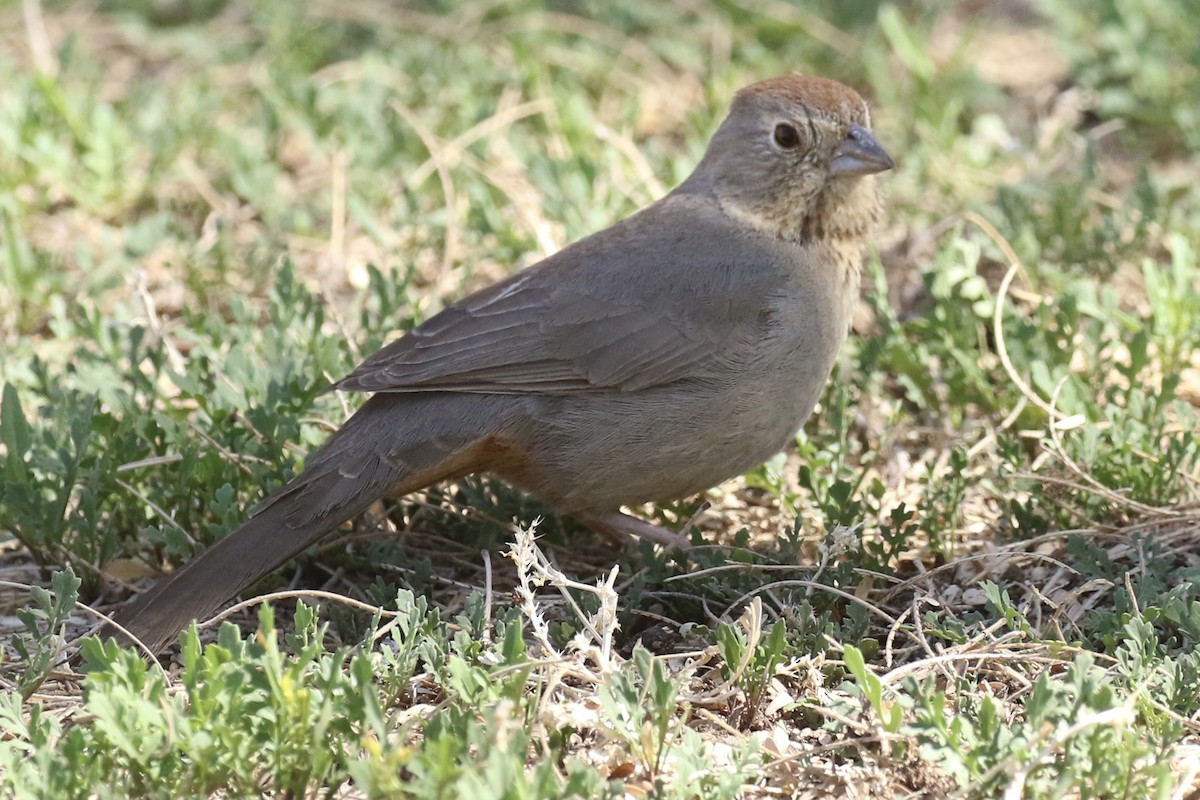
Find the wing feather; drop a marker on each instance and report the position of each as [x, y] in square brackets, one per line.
[556, 328]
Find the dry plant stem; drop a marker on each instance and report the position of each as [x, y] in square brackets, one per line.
[889, 642]
[451, 152]
[159, 510]
[155, 323]
[1015, 266]
[227, 454]
[751, 622]
[912, 667]
[918, 629]
[648, 185]
[716, 721]
[524, 199]
[1015, 790]
[867, 573]
[39, 42]
[449, 193]
[828, 550]
[487, 593]
[89, 611]
[1094, 485]
[778, 605]
[323, 424]
[874, 609]
[301, 594]
[534, 570]
[1005, 552]
[245, 422]
[988, 441]
[843, 744]
[152, 461]
[651, 65]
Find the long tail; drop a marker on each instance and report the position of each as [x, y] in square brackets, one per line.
[395, 444]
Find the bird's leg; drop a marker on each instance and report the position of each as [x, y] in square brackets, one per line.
[622, 528]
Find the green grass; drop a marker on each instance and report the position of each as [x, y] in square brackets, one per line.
[973, 576]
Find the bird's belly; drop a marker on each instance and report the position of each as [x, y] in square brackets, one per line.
[598, 452]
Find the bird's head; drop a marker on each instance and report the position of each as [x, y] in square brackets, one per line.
[796, 159]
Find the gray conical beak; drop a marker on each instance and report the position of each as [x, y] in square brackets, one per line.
[859, 154]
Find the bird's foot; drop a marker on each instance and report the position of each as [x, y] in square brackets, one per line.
[622, 528]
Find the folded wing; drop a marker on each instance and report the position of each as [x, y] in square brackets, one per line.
[558, 328]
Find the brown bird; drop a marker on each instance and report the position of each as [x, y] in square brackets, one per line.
[650, 361]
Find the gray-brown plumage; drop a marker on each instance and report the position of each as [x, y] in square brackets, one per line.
[650, 361]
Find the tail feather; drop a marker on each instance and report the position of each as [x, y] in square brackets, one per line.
[264, 543]
[393, 445]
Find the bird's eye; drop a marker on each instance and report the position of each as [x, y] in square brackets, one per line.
[786, 136]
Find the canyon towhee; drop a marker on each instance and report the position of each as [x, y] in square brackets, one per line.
[650, 361]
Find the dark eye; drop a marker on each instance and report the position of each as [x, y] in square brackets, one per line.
[786, 136]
